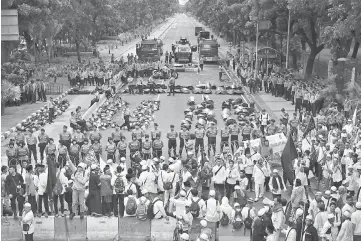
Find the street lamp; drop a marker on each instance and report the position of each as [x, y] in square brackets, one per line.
[288, 38]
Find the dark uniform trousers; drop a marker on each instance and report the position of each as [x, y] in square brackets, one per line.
[172, 144]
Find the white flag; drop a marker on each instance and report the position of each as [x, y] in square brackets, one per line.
[354, 116]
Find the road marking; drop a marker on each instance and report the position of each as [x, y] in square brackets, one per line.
[158, 97]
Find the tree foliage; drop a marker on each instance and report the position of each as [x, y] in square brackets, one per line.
[42, 22]
[315, 24]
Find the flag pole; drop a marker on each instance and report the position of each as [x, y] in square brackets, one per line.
[256, 67]
[288, 38]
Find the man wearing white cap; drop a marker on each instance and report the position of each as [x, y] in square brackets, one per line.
[213, 208]
[28, 221]
[356, 221]
[259, 177]
[169, 180]
[346, 231]
[258, 228]
[326, 232]
[219, 177]
[277, 184]
[205, 229]
[179, 203]
[313, 209]
[320, 218]
[203, 237]
[309, 232]
[147, 180]
[184, 237]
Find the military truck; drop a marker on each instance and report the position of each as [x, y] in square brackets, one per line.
[149, 49]
[182, 51]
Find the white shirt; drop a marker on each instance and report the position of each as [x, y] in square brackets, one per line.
[346, 233]
[245, 213]
[42, 183]
[147, 179]
[28, 218]
[213, 209]
[221, 175]
[356, 220]
[180, 205]
[232, 175]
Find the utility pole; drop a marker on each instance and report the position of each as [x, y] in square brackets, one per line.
[288, 38]
[256, 67]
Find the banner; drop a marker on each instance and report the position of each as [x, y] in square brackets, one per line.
[276, 141]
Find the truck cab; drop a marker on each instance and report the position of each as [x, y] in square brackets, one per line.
[149, 50]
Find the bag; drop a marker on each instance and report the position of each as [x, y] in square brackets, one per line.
[150, 211]
[131, 206]
[248, 221]
[168, 185]
[141, 212]
[119, 185]
[195, 208]
[238, 223]
[26, 227]
[224, 220]
[19, 189]
[58, 188]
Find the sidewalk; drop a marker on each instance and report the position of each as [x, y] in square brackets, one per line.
[83, 101]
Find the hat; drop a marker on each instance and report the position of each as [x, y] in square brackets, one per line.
[171, 167]
[171, 160]
[309, 217]
[261, 212]
[358, 205]
[144, 191]
[183, 193]
[122, 159]
[203, 236]
[236, 205]
[299, 212]
[203, 223]
[313, 138]
[330, 216]
[27, 205]
[237, 187]
[333, 189]
[144, 167]
[93, 166]
[212, 193]
[347, 214]
[162, 158]
[327, 192]
[110, 161]
[184, 236]
[275, 171]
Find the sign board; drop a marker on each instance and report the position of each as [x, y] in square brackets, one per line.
[70, 229]
[264, 25]
[44, 228]
[9, 25]
[131, 228]
[276, 141]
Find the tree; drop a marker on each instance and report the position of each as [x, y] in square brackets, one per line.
[8, 93]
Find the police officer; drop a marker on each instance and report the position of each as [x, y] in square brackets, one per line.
[31, 141]
[126, 119]
[172, 136]
[246, 131]
[65, 137]
[234, 131]
[155, 132]
[184, 136]
[134, 146]
[199, 133]
[298, 100]
[225, 137]
[110, 149]
[157, 147]
[211, 133]
[171, 86]
[95, 135]
[264, 119]
[151, 85]
[116, 135]
[122, 147]
[137, 132]
[147, 146]
[11, 153]
[19, 137]
[98, 150]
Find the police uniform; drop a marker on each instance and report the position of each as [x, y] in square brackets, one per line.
[139, 135]
[293, 126]
[63, 151]
[134, 146]
[199, 133]
[122, 148]
[157, 148]
[84, 150]
[184, 136]
[224, 137]
[11, 153]
[172, 142]
[74, 153]
[298, 100]
[147, 145]
[65, 139]
[97, 147]
[95, 135]
[212, 138]
[234, 131]
[79, 137]
[111, 148]
[154, 134]
[246, 132]
[43, 141]
[116, 135]
[31, 141]
[19, 138]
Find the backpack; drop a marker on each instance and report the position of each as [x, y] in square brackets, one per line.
[248, 221]
[131, 206]
[119, 185]
[195, 208]
[237, 224]
[168, 185]
[141, 212]
[224, 220]
[58, 188]
[150, 211]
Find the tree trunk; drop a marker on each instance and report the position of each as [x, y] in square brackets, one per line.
[294, 60]
[77, 49]
[2, 108]
[355, 49]
[303, 44]
[310, 62]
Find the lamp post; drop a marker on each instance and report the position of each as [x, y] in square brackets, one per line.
[288, 38]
